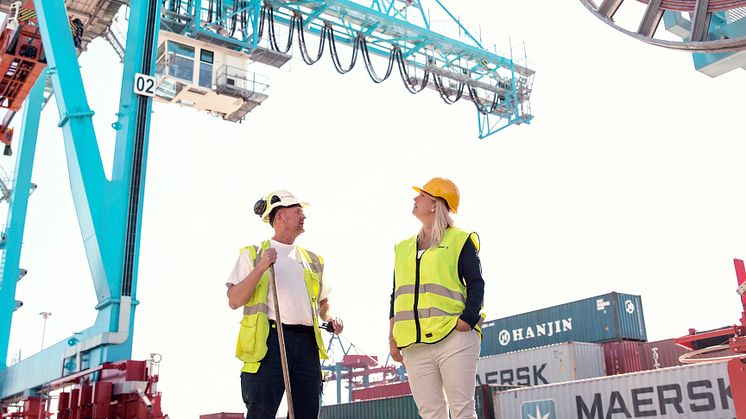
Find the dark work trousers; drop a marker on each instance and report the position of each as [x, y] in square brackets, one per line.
[262, 391]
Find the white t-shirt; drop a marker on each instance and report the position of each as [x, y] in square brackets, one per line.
[291, 288]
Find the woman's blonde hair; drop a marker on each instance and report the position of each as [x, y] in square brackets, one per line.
[441, 222]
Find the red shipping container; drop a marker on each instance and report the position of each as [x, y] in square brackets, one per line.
[381, 391]
[222, 415]
[622, 357]
[661, 354]
[665, 353]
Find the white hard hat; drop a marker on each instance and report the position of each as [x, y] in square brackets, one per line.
[264, 206]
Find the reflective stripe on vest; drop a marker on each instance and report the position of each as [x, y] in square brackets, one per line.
[256, 308]
[432, 289]
[423, 313]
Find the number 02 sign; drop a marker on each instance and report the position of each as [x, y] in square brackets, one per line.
[144, 85]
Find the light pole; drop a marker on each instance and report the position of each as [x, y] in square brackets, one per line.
[45, 315]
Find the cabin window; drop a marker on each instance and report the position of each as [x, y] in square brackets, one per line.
[180, 61]
[205, 68]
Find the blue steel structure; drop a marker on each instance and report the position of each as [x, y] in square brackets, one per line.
[395, 30]
[714, 31]
[109, 210]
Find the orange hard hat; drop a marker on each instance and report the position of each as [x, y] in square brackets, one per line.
[442, 188]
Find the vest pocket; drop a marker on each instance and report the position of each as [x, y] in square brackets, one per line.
[252, 338]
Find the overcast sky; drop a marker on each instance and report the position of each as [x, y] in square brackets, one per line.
[630, 179]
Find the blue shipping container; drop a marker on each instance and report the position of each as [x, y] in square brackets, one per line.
[604, 318]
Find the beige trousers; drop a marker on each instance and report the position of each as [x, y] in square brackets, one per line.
[444, 370]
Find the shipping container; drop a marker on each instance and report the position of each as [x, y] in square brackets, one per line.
[545, 365]
[661, 354]
[403, 407]
[604, 318]
[380, 391]
[665, 353]
[222, 416]
[622, 357]
[693, 391]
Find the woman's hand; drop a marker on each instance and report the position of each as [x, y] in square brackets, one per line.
[462, 326]
[394, 351]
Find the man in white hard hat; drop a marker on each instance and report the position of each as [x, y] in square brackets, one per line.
[303, 299]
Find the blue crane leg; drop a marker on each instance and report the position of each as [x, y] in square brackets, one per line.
[16, 221]
[109, 211]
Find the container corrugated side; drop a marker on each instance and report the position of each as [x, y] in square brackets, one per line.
[380, 391]
[403, 407]
[631, 318]
[693, 391]
[603, 318]
[222, 415]
[545, 365]
[661, 354]
[622, 357]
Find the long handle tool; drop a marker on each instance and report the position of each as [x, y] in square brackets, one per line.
[281, 338]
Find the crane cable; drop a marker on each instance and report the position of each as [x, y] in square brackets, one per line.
[369, 66]
[438, 80]
[335, 55]
[302, 43]
[409, 82]
[273, 36]
[361, 44]
[478, 102]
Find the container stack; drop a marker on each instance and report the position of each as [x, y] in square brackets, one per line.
[588, 358]
[610, 326]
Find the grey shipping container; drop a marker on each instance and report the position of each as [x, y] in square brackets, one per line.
[694, 391]
[603, 318]
[546, 365]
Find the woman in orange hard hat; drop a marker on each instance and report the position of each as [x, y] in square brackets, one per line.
[435, 315]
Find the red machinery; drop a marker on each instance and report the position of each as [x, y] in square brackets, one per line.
[21, 62]
[125, 389]
[732, 338]
[359, 369]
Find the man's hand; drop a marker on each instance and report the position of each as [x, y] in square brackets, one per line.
[269, 256]
[394, 351]
[338, 324]
[462, 326]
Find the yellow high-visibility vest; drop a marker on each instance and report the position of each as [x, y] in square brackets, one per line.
[252, 336]
[429, 296]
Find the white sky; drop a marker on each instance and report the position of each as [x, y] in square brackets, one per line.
[630, 179]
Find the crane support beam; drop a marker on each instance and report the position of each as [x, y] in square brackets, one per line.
[651, 19]
[701, 21]
[16, 219]
[108, 210]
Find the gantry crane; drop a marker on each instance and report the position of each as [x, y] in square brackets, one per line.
[194, 53]
[714, 31]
